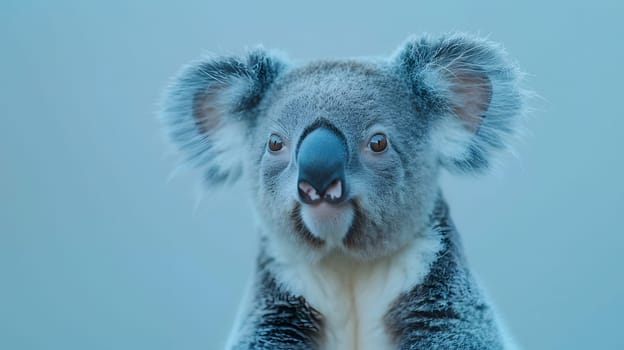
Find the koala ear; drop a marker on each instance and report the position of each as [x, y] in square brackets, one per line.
[472, 91]
[211, 105]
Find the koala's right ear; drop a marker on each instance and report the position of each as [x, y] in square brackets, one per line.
[211, 105]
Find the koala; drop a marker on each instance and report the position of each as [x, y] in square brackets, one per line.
[342, 159]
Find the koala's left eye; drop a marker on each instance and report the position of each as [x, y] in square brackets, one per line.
[378, 143]
[275, 143]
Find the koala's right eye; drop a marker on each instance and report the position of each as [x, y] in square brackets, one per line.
[275, 143]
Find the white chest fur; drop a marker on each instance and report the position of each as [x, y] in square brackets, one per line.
[353, 297]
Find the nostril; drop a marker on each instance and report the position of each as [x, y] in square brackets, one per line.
[334, 192]
[308, 193]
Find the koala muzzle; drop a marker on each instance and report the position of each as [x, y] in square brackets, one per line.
[321, 159]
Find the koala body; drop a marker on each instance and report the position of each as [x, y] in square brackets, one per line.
[342, 158]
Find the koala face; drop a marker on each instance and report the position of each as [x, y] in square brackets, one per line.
[343, 156]
[348, 127]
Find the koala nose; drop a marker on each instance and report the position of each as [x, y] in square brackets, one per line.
[321, 158]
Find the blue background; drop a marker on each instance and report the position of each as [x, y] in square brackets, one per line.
[102, 248]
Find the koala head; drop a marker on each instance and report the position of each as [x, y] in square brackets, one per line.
[344, 155]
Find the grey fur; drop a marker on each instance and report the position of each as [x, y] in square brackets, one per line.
[448, 102]
[278, 319]
[447, 310]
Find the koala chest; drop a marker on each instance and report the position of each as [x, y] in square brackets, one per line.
[354, 297]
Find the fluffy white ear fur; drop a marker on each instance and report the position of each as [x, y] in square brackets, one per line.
[473, 88]
[209, 107]
[220, 127]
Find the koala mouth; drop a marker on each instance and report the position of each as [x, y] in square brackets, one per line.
[326, 224]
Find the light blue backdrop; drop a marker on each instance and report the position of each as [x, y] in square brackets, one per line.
[99, 250]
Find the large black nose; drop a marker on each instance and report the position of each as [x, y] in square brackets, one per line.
[321, 158]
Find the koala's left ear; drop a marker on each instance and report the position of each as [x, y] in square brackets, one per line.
[211, 105]
[472, 91]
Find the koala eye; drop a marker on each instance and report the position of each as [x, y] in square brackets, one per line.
[378, 143]
[275, 143]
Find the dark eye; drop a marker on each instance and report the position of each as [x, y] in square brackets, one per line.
[275, 143]
[378, 143]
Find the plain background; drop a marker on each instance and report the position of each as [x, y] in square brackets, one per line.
[101, 248]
